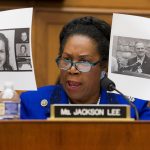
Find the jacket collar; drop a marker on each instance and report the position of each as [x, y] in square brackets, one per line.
[104, 97]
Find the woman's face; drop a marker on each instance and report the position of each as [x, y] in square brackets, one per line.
[2, 53]
[23, 49]
[81, 87]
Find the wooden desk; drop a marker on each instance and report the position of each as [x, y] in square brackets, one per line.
[67, 135]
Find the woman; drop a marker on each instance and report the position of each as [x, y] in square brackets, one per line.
[4, 53]
[23, 51]
[83, 55]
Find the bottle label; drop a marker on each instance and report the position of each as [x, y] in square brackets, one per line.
[9, 108]
[2, 109]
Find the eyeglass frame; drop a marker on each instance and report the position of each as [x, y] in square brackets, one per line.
[74, 63]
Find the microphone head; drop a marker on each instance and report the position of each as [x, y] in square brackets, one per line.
[108, 84]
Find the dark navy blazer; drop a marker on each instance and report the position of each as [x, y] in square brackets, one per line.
[31, 107]
[145, 65]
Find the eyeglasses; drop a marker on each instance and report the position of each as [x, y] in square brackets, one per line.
[82, 66]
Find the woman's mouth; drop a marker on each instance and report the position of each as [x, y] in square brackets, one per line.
[73, 85]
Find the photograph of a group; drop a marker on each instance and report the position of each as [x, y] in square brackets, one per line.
[131, 56]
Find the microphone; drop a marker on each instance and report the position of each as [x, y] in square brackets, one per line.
[109, 85]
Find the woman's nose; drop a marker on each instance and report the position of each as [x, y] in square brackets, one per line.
[73, 70]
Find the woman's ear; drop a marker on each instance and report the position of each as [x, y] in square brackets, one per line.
[103, 74]
[104, 68]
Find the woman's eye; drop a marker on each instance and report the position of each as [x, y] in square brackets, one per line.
[66, 58]
[83, 60]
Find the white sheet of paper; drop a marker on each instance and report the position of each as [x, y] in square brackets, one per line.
[16, 27]
[126, 31]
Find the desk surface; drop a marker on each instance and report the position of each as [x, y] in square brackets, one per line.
[73, 135]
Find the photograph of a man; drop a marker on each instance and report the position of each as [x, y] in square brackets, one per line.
[24, 36]
[141, 62]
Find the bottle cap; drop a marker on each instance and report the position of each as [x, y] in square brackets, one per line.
[8, 91]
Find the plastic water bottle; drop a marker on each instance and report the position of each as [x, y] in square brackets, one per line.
[9, 103]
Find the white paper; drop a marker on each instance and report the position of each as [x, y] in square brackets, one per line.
[126, 31]
[13, 24]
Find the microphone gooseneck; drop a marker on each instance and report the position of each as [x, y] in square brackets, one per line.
[109, 85]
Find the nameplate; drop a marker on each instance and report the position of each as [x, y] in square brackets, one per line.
[89, 111]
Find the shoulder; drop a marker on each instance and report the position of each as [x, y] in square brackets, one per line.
[140, 104]
[42, 92]
[39, 90]
[36, 104]
[8, 67]
[132, 59]
[147, 58]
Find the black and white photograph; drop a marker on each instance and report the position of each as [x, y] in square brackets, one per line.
[24, 63]
[7, 51]
[23, 59]
[22, 50]
[22, 35]
[131, 56]
[23, 56]
[13, 56]
[16, 64]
